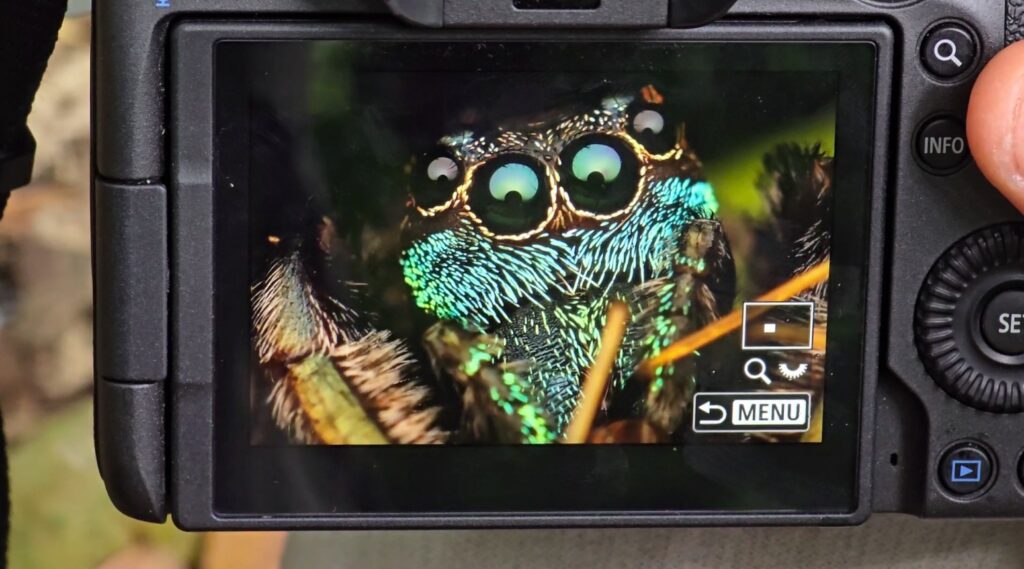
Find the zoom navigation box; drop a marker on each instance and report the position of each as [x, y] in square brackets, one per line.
[751, 412]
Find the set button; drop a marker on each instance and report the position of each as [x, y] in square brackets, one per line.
[1002, 322]
[966, 469]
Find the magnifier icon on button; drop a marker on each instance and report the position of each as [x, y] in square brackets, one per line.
[945, 51]
[757, 370]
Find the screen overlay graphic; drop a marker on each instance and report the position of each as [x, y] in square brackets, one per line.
[556, 246]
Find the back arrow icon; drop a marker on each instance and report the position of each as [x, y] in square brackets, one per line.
[707, 408]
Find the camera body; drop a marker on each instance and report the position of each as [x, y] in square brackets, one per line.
[917, 407]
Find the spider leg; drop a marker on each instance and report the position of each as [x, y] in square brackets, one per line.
[334, 380]
[499, 404]
[701, 288]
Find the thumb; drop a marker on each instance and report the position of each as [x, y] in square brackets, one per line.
[995, 123]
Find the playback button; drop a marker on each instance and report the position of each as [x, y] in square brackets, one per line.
[966, 469]
[942, 145]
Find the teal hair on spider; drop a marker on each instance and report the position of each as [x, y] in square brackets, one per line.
[461, 275]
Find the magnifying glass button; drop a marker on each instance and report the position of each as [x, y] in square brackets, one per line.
[948, 50]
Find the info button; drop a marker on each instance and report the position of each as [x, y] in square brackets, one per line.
[942, 145]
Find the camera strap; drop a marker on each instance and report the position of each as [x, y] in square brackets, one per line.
[28, 33]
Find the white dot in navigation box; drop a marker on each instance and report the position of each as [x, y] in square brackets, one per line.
[778, 325]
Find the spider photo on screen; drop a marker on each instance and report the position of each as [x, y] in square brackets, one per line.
[572, 249]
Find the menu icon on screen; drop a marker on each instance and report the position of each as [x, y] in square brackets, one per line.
[752, 412]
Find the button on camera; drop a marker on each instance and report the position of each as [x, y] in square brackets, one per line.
[969, 321]
[1020, 469]
[1002, 322]
[948, 50]
[942, 145]
[965, 469]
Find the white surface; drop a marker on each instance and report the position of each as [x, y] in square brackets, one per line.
[897, 542]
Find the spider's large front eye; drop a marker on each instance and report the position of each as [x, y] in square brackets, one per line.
[600, 173]
[435, 179]
[510, 194]
[599, 163]
[514, 182]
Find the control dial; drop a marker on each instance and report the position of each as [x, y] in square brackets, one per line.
[969, 323]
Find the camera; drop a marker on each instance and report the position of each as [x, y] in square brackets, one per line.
[492, 263]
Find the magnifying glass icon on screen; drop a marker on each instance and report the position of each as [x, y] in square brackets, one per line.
[757, 370]
[945, 51]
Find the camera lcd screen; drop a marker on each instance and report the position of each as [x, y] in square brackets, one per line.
[540, 252]
[500, 245]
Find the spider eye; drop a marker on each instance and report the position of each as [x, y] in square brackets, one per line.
[649, 121]
[514, 182]
[509, 194]
[435, 179]
[651, 129]
[600, 173]
[597, 161]
[443, 170]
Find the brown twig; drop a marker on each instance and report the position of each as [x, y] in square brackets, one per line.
[596, 382]
[732, 321]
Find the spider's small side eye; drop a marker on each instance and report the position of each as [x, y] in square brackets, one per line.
[649, 121]
[652, 129]
[442, 170]
[435, 179]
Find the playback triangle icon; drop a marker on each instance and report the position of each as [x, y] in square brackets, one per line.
[965, 471]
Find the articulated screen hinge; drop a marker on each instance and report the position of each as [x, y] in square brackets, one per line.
[560, 13]
[131, 296]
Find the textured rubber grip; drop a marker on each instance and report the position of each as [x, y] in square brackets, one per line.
[1014, 21]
